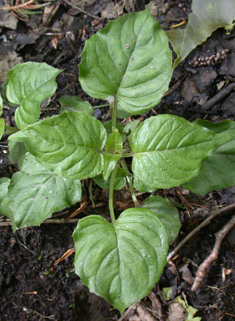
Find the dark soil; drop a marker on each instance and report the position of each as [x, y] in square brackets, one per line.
[32, 287]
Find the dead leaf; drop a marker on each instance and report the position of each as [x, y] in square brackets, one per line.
[144, 314]
[64, 256]
[186, 274]
[176, 312]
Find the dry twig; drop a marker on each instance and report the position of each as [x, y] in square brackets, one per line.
[200, 226]
[129, 311]
[22, 5]
[7, 222]
[223, 93]
[70, 3]
[219, 236]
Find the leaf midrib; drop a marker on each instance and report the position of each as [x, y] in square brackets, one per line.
[25, 97]
[170, 149]
[69, 144]
[117, 93]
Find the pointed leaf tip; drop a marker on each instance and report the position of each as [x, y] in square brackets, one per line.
[129, 59]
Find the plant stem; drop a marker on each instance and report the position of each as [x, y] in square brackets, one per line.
[114, 113]
[101, 106]
[111, 189]
[124, 166]
[10, 130]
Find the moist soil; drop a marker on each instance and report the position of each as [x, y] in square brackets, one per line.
[33, 286]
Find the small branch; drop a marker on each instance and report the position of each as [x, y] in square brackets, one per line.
[202, 269]
[200, 226]
[223, 93]
[48, 221]
[70, 3]
[129, 311]
[25, 4]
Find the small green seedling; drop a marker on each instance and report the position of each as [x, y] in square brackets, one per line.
[128, 64]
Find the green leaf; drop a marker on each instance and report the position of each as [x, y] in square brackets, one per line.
[166, 293]
[4, 202]
[128, 129]
[72, 103]
[28, 85]
[141, 187]
[217, 171]
[36, 193]
[206, 17]
[191, 310]
[129, 59]
[120, 180]
[167, 213]
[1, 105]
[169, 150]
[114, 143]
[109, 163]
[123, 262]
[69, 144]
[2, 127]
[2, 123]
[17, 150]
[109, 129]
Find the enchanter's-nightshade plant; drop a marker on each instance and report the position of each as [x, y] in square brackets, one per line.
[128, 64]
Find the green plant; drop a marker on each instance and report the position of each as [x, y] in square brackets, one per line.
[128, 63]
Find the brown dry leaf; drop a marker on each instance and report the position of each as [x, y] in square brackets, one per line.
[64, 256]
[177, 312]
[54, 42]
[134, 318]
[156, 305]
[186, 274]
[110, 12]
[144, 314]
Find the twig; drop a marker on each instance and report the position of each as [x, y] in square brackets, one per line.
[25, 4]
[70, 3]
[129, 311]
[224, 92]
[48, 221]
[202, 269]
[204, 223]
[144, 313]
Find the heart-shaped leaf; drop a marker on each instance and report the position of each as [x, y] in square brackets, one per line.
[169, 150]
[35, 83]
[217, 171]
[206, 16]
[123, 262]
[167, 213]
[69, 144]
[36, 193]
[129, 59]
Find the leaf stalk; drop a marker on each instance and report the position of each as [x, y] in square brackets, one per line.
[124, 166]
[111, 189]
